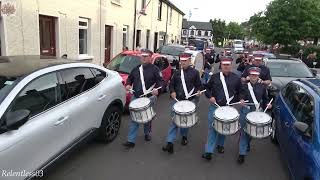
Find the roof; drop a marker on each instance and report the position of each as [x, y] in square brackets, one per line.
[198, 25]
[16, 66]
[173, 6]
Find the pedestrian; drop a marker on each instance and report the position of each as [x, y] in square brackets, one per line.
[300, 54]
[142, 79]
[183, 84]
[311, 59]
[264, 78]
[209, 56]
[223, 88]
[255, 93]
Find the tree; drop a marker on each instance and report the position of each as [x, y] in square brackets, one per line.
[286, 21]
[219, 30]
[235, 31]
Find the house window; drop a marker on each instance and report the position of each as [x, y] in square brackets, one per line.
[148, 39]
[84, 32]
[125, 36]
[206, 33]
[170, 20]
[184, 32]
[159, 10]
[192, 33]
[199, 33]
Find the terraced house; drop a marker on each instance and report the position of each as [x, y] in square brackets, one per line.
[94, 30]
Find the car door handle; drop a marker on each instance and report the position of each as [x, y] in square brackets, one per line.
[61, 120]
[101, 97]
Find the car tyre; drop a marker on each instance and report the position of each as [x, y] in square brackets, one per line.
[110, 125]
[273, 136]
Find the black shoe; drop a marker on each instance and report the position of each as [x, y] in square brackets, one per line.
[207, 156]
[147, 137]
[128, 145]
[248, 148]
[220, 149]
[241, 159]
[168, 148]
[184, 141]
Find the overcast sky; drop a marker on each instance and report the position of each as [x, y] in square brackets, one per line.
[229, 10]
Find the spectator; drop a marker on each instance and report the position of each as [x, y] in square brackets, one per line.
[310, 59]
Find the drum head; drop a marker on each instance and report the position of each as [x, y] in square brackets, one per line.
[258, 117]
[139, 103]
[226, 113]
[184, 106]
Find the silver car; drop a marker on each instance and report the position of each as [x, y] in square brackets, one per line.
[47, 106]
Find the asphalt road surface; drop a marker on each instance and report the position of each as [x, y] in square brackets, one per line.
[148, 162]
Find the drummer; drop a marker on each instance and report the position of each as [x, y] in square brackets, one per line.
[264, 78]
[223, 88]
[255, 93]
[142, 79]
[184, 83]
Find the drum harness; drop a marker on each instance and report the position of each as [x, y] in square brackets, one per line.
[185, 90]
[143, 84]
[225, 88]
[255, 101]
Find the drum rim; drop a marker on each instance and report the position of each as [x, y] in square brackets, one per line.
[145, 121]
[234, 119]
[196, 121]
[229, 120]
[254, 123]
[184, 113]
[140, 108]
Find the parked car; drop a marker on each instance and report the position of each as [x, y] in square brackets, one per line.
[296, 127]
[265, 54]
[49, 105]
[126, 61]
[238, 46]
[285, 70]
[200, 44]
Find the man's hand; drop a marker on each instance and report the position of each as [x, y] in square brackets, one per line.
[248, 78]
[242, 103]
[269, 106]
[199, 93]
[173, 95]
[213, 100]
[260, 81]
[128, 87]
[155, 92]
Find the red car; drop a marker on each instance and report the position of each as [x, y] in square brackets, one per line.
[126, 61]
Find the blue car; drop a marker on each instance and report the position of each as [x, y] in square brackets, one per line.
[296, 127]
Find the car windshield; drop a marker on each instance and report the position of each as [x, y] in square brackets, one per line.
[199, 44]
[6, 85]
[124, 63]
[289, 69]
[171, 50]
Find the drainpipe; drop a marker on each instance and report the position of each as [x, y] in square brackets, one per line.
[165, 36]
[134, 25]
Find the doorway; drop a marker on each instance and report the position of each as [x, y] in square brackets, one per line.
[47, 35]
[155, 42]
[107, 48]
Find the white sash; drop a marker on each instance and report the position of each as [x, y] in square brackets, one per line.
[185, 90]
[143, 84]
[225, 89]
[253, 96]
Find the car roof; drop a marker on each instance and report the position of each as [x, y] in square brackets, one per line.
[138, 53]
[284, 60]
[17, 66]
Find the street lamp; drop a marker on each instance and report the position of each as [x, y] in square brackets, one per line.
[190, 14]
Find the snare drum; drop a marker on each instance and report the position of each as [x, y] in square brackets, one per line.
[258, 125]
[141, 110]
[226, 120]
[184, 115]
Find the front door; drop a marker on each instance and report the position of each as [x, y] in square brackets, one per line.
[47, 35]
[155, 45]
[107, 49]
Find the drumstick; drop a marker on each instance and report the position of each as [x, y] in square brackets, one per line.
[176, 99]
[216, 104]
[131, 90]
[197, 93]
[151, 91]
[238, 102]
[268, 105]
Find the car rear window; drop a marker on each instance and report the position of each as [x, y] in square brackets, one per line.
[124, 63]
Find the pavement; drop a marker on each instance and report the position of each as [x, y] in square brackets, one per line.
[148, 162]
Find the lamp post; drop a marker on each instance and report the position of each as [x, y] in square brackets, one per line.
[190, 14]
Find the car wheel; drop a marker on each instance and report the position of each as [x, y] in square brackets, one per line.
[273, 136]
[110, 125]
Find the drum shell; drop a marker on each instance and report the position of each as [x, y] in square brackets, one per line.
[226, 127]
[142, 115]
[254, 129]
[184, 119]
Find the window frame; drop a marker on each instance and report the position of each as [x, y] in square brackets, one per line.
[87, 27]
[126, 34]
[160, 10]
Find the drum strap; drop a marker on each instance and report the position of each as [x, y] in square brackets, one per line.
[185, 90]
[253, 96]
[143, 84]
[225, 88]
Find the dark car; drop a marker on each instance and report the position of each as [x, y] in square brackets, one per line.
[296, 127]
[172, 53]
[285, 70]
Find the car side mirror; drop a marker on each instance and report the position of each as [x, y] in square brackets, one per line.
[302, 127]
[314, 72]
[17, 118]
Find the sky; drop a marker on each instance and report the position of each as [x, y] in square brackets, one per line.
[228, 10]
